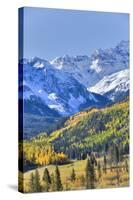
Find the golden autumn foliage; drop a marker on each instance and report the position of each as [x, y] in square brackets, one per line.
[40, 152]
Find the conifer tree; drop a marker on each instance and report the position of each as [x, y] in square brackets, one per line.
[58, 184]
[32, 182]
[37, 186]
[126, 166]
[73, 175]
[99, 170]
[116, 154]
[86, 173]
[105, 164]
[121, 152]
[90, 175]
[118, 176]
[46, 179]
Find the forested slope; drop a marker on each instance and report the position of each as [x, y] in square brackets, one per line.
[94, 130]
[103, 131]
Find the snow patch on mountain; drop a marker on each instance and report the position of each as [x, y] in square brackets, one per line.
[59, 108]
[38, 65]
[116, 82]
[95, 66]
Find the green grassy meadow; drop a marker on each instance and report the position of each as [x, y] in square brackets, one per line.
[107, 180]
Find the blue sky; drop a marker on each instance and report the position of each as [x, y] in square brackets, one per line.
[49, 33]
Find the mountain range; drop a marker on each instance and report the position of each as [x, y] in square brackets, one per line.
[66, 85]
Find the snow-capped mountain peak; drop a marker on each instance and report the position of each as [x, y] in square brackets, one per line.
[56, 89]
[68, 84]
[88, 70]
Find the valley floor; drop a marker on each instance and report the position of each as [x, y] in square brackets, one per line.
[113, 177]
